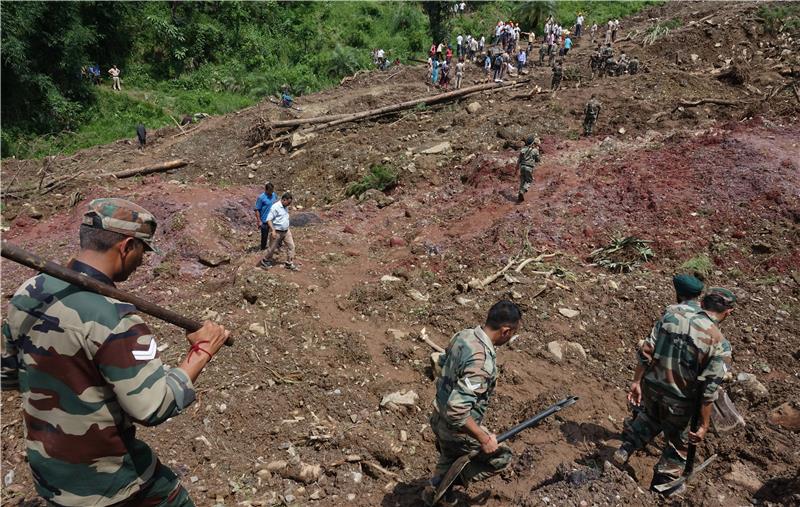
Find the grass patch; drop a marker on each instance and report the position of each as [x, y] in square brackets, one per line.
[778, 17]
[660, 30]
[379, 177]
[700, 264]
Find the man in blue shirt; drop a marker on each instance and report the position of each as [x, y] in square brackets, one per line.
[263, 205]
[567, 45]
[278, 222]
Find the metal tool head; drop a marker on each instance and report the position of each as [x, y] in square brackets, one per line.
[672, 485]
[451, 475]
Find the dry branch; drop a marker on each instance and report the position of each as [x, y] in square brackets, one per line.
[423, 335]
[180, 127]
[480, 284]
[157, 168]
[524, 263]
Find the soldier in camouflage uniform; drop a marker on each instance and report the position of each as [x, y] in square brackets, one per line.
[633, 66]
[88, 367]
[469, 376]
[558, 73]
[683, 358]
[591, 112]
[528, 158]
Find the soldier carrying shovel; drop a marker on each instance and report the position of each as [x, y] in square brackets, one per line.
[681, 365]
[468, 379]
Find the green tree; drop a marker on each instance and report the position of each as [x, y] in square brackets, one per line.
[438, 19]
[534, 14]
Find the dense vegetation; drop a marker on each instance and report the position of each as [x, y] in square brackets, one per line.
[214, 57]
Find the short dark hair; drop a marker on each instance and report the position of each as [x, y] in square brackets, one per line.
[268, 186]
[287, 195]
[715, 303]
[503, 313]
[99, 240]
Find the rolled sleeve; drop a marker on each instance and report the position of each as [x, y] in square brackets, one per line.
[713, 374]
[472, 384]
[146, 390]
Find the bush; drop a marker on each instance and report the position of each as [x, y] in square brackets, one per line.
[379, 177]
[700, 265]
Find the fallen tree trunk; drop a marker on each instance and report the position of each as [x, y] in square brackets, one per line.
[157, 168]
[372, 113]
[307, 121]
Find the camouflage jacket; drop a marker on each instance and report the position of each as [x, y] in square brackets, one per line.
[558, 71]
[592, 108]
[87, 367]
[685, 347]
[468, 378]
[529, 157]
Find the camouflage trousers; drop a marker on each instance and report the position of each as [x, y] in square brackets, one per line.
[661, 414]
[555, 83]
[452, 445]
[588, 124]
[163, 490]
[525, 178]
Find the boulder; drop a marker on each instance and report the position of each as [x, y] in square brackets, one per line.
[213, 259]
[390, 279]
[554, 348]
[400, 400]
[417, 295]
[559, 349]
[258, 329]
[750, 386]
[740, 475]
[443, 147]
[396, 241]
[373, 194]
[786, 416]
[569, 313]
[299, 139]
[303, 219]
[473, 107]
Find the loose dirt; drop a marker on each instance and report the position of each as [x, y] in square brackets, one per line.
[714, 181]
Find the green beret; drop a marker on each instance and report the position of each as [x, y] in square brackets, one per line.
[724, 293]
[687, 285]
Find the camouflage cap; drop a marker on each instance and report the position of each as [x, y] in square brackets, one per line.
[687, 285]
[123, 217]
[726, 295]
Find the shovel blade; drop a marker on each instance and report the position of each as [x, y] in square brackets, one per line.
[661, 488]
[451, 475]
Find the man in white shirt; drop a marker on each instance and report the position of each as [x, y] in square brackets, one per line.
[278, 223]
[579, 25]
[459, 42]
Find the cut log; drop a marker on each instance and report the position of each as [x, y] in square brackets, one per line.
[695, 103]
[157, 168]
[373, 113]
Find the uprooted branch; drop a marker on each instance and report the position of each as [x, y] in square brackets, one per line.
[476, 284]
